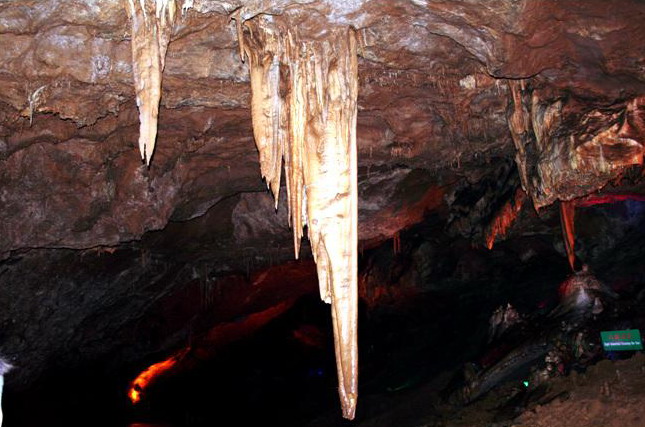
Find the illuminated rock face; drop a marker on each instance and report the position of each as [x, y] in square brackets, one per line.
[432, 87]
[152, 23]
[557, 164]
[433, 93]
[304, 107]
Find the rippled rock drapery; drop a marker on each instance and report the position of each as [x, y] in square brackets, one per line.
[304, 107]
[556, 162]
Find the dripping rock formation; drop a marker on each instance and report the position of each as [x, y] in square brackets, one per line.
[138, 139]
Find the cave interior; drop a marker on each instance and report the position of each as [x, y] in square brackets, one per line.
[308, 212]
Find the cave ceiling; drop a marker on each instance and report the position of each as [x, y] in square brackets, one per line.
[544, 96]
[435, 82]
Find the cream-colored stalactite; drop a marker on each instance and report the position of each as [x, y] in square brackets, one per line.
[152, 23]
[329, 165]
[269, 113]
[304, 107]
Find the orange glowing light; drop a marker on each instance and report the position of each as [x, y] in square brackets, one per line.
[592, 200]
[505, 218]
[567, 218]
[134, 394]
[145, 378]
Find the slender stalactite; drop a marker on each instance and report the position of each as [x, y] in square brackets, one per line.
[567, 215]
[505, 218]
[304, 107]
[152, 23]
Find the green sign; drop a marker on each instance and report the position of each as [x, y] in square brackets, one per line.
[629, 339]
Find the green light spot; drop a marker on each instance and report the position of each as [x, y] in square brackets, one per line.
[526, 383]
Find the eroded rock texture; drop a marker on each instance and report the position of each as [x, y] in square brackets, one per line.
[556, 164]
[432, 93]
[459, 104]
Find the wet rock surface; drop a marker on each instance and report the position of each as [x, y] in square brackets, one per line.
[460, 104]
[433, 93]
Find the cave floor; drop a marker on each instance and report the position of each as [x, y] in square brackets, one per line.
[608, 394]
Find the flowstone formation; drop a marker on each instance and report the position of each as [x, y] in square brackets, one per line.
[556, 164]
[304, 107]
[152, 24]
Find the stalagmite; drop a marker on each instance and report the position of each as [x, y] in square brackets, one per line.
[567, 214]
[304, 106]
[152, 23]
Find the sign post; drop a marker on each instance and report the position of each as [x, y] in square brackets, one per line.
[629, 339]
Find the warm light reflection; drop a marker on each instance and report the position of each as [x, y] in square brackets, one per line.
[567, 219]
[146, 377]
[608, 198]
[505, 218]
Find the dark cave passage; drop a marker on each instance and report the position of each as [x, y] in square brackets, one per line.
[424, 322]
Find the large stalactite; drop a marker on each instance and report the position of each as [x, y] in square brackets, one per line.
[304, 110]
[152, 23]
[304, 107]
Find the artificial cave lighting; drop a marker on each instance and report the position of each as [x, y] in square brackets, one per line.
[602, 199]
[505, 218]
[145, 378]
[567, 219]
[5, 367]
[161, 286]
